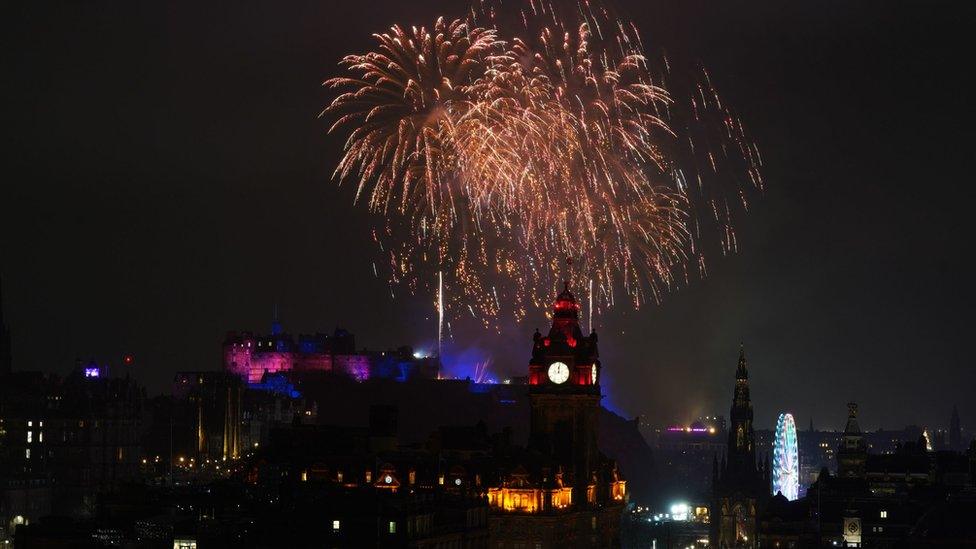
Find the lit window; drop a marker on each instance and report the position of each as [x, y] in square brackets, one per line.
[40, 424]
[30, 437]
[335, 525]
[27, 453]
[884, 514]
[369, 476]
[40, 436]
[393, 527]
[457, 482]
[339, 476]
[30, 423]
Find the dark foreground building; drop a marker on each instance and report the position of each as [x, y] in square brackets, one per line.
[76, 437]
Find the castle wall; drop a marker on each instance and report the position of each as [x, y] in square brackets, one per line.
[250, 364]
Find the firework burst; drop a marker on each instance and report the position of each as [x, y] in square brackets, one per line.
[498, 146]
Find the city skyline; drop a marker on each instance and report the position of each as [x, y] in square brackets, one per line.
[499, 274]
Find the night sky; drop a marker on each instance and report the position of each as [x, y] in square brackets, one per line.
[167, 180]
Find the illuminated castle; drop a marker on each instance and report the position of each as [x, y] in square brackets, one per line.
[562, 492]
[252, 356]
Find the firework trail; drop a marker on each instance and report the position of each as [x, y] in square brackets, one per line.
[481, 372]
[496, 146]
[440, 314]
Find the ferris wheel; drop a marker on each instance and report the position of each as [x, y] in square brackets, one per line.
[786, 460]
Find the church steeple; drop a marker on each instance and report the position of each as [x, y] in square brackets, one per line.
[742, 482]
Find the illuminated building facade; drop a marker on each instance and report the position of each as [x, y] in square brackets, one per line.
[251, 356]
[740, 485]
[562, 492]
[214, 407]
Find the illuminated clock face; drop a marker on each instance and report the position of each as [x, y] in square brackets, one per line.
[558, 372]
[593, 374]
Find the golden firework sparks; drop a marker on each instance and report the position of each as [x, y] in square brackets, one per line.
[495, 150]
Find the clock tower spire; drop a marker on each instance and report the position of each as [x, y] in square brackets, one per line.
[560, 491]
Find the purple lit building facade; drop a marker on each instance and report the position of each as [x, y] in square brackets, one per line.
[251, 356]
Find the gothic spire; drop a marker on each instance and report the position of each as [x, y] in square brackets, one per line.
[741, 398]
[741, 372]
[741, 446]
[852, 428]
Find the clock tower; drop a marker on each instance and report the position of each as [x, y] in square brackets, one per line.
[560, 491]
[564, 390]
